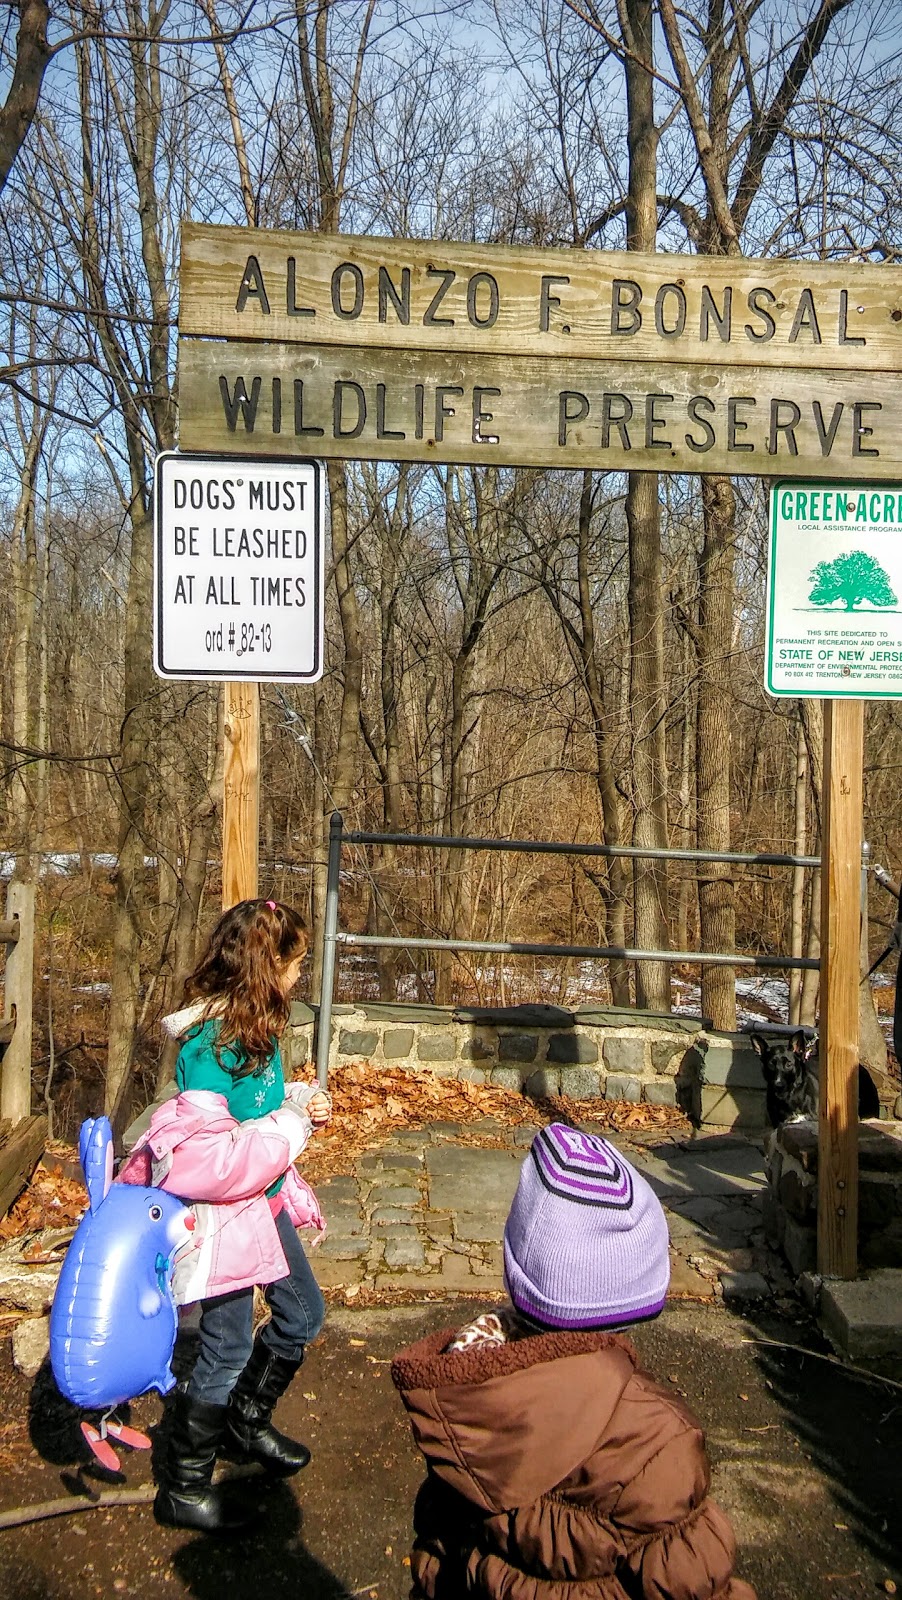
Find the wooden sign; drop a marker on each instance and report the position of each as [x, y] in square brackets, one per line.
[414, 405]
[416, 294]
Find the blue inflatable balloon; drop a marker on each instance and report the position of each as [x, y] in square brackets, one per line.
[113, 1321]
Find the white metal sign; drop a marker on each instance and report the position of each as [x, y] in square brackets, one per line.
[238, 568]
[834, 591]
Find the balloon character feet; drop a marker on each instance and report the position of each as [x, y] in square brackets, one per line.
[97, 1440]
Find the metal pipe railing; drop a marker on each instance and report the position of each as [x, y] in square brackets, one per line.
[333, 936]
[614, 952]
[437, 841]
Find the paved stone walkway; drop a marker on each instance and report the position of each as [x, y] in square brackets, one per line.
[425, 1212]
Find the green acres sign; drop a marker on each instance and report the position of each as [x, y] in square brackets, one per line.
[423, 350]
[834, 594]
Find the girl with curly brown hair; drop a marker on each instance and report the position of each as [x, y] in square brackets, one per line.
[226, 1144]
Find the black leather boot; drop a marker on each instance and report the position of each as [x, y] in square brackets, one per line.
[250, 1433]
[186, 1497]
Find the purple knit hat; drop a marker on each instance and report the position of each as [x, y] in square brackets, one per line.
[586, 1242]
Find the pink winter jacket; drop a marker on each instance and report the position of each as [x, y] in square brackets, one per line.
[195, 1149]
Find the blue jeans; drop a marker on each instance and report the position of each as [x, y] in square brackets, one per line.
[226, 1322]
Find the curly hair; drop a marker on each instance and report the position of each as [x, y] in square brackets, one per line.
[240, 975]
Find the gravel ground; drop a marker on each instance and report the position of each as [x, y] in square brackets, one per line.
[805, 1460]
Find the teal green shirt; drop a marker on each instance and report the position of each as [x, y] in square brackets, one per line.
[248, 1097]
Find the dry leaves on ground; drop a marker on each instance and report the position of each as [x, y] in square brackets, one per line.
[370, 1103]
[48, 1201]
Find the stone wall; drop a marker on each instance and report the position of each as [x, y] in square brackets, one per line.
[790, 1205]
[593, 1052]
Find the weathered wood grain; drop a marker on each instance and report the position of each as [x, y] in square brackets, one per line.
[241, 793]
[837, 1202]
[20, 1152]
[406, 405]
[18, 987]
[346, 290]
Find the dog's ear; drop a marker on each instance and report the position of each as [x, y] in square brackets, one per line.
[799, 1043]
[757, 1043]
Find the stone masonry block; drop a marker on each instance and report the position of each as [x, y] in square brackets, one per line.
[572, 1047]
[543, 1082]
[437, 1047]
[862, 1316]
[396, 1043]
[624, 1055]
[477, 1050]
[661, 1094]
[799, 1247]
[621, 1087]
[405, 1254]
[518, 1046]
[796, 1196]
[394, 1194]
[732, 1066]
[506, 1078]
[724, 1108]
[581, 1083]
[883, 1248]
[666, 1055]
[297, 1047]
[473, 1074]
[774, 1218]
[877, 1196]
[357, 1042]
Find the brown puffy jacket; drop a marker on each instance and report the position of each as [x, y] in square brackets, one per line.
[559, 1471]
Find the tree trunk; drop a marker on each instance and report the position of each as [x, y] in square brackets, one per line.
[647, 692]
[133, 774]
[717, 917]
[32, 56]
[615, 879]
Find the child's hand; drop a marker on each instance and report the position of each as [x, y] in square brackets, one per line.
[319, 1108]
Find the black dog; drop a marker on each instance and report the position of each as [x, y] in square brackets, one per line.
[791, 1088]
[791, 1080]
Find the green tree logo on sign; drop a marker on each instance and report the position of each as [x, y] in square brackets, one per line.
[851, 578]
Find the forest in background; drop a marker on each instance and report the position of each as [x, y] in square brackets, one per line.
[526, 654]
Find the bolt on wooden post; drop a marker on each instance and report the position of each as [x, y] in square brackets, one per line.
[241, 793]
[837, 1201]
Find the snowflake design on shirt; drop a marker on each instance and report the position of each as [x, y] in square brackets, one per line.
[267, 1079]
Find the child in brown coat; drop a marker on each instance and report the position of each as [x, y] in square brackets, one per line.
[557, 1469]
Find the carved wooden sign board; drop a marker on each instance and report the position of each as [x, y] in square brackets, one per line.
[385, 349]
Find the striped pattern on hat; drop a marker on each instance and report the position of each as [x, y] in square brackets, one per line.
[578, 1167]
[586, 1242]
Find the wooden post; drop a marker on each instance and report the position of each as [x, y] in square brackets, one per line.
[837, 1199]
[15, 1071]
[241, 793]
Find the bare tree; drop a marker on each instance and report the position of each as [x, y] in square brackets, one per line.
[31, 55]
